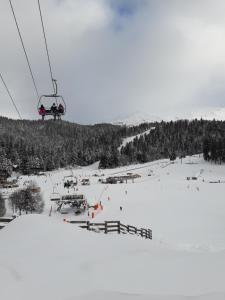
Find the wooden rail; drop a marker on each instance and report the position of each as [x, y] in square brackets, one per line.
[5, 221]
[113, 226]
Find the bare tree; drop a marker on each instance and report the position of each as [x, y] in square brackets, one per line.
[27, 200]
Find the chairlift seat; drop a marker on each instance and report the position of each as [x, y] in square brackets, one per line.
[46, 101]
[48, 112]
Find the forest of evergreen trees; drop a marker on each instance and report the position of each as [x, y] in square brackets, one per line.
[214, 149]
[171, 140]
[178, 139]
[32, 146]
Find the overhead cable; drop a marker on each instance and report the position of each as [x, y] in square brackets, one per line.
[46, 46]
[10, 96]
[24, 49]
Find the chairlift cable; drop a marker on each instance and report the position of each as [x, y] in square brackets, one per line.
[10, 96]
[56, 110]
[24, 49]
[46, 47]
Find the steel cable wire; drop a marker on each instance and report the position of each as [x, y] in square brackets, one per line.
[24, 49]
[46, 45]
[10, 96]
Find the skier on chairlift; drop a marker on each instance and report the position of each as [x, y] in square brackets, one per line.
[42, 111]
[60, 109]
[54, 110]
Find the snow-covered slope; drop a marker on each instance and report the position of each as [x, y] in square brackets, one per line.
[42, 257]
[136, 119]
[160, 201]
[142, 117]
[131, 138]
[210, 114]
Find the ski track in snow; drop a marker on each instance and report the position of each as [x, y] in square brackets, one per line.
[131, 138]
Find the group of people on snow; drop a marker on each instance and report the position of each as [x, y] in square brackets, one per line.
[55, 110]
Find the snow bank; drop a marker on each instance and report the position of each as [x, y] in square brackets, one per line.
[42, 258]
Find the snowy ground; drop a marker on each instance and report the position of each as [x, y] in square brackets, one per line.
[42, 257]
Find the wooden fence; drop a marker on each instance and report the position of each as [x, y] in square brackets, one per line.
[5, 221]
[113, 226]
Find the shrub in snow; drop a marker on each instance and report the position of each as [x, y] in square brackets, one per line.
[2, 206]
[172, 156]
[27, 200]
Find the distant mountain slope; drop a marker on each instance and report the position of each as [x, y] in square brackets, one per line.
[144, 117]
[136, 119]
[209, 114]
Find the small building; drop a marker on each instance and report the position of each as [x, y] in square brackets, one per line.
[122, 178]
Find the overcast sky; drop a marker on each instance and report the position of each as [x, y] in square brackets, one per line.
[114, 57]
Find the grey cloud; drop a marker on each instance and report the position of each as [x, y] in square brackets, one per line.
[162, 58]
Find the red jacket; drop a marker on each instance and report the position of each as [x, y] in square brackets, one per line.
[41, 111]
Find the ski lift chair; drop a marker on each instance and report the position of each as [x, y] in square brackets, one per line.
[45, 103]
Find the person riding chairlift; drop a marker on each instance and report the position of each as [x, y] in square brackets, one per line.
[54, 110]
[60, 109]
[42, 111]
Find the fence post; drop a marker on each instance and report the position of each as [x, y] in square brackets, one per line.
[118, 227]
[146, 233]
[106, 227]
[88, 225]
[143, 232]
[50, 212]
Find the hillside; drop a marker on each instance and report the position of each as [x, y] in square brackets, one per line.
[42, 257]
[153, 201]
[32, 146]
[36, 145]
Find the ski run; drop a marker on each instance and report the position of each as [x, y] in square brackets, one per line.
[44, 257]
